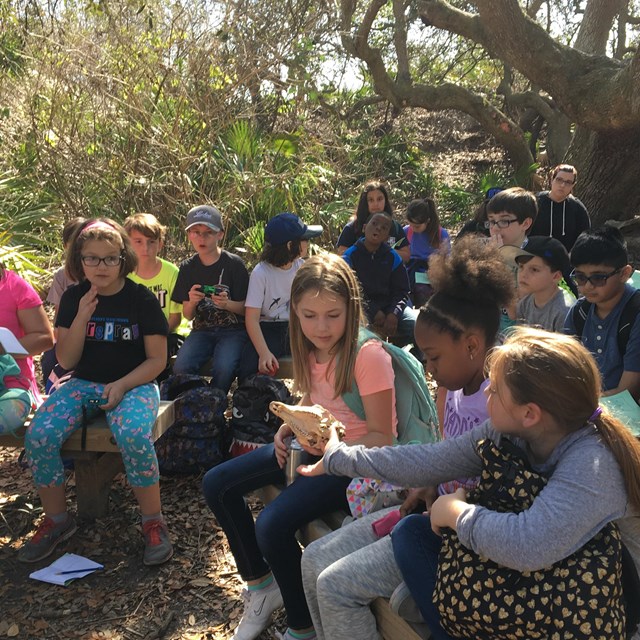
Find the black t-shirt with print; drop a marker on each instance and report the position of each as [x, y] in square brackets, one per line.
[228, 270]
[114, 339]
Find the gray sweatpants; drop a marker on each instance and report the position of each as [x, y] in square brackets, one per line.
[343, 573]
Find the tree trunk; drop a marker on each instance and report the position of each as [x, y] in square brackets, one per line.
[607, 166]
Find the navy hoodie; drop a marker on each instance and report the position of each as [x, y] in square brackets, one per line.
[383, 277]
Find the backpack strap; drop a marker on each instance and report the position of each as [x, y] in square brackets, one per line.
[627, 319]
[409, 233]
[417, 416]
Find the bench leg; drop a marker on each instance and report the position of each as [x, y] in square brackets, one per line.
[93, 482]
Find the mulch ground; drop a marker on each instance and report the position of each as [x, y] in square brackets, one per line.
[195, 596]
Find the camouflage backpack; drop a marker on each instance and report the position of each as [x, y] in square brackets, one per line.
[195, 442]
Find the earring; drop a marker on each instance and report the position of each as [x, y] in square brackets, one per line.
[470, 355]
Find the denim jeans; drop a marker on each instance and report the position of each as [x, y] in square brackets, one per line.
[416, 548]
[270, 544]
[276, 335]
[224, 345]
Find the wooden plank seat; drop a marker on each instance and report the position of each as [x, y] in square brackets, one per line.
[96, 465]
[390, 625]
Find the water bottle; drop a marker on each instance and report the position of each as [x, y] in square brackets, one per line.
[297, 456]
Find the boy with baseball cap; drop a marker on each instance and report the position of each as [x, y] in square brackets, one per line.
[542, 264]
[212, 287]
[267, 306]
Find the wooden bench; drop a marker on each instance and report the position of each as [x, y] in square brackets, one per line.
[390, 625]
[96, 465]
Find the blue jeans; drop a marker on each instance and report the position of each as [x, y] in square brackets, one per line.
[416, 548]
[224, 345]
[276, 335]
[270, 544]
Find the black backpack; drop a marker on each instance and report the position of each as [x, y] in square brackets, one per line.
[195, 442]
[251, 424]
[627, 318]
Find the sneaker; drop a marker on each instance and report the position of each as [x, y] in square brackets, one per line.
[258, 607]
[46, 538]
[402, 603]
[157, 546]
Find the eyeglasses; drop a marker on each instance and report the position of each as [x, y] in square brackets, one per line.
[596, 279]
[94, 261]
[563, 182]
[501, 224]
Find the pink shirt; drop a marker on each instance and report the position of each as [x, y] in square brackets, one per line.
[373, 372]
[17, 294]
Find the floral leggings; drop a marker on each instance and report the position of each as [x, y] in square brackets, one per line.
[131, 423]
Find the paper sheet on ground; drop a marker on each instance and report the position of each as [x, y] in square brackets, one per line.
[68, 562]
[10, 343]
[625, 408]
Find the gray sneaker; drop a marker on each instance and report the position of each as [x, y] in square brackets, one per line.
[46, 538]
[157, 546]
[402, 603]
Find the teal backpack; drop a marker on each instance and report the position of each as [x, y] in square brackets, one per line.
[417, 416]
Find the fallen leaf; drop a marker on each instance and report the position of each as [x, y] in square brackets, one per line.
[13, 631]
[200, 582]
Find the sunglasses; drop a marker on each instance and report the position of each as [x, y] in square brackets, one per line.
[596, 280]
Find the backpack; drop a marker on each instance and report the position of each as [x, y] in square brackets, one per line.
[629, 313]
[416, 411]
[195, 441]
[251, 424]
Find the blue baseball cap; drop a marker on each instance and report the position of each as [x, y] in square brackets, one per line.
[286, 227]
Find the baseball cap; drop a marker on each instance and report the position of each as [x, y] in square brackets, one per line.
[207, 215]
[286, 227]
[552, 251]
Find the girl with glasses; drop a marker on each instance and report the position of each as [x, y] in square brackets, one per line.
[113, 335]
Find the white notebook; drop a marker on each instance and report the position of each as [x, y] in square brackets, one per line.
[10, 343]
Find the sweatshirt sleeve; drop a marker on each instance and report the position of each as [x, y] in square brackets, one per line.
[413, 465]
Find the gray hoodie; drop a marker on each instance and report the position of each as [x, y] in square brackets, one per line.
[585, 491]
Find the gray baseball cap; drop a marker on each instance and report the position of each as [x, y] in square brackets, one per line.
[207, 215]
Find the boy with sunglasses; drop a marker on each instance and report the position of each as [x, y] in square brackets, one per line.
[607, 317]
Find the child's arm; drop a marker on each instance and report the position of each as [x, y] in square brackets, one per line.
[222, 301]
[155, 347]
[629, 381]
[71, 339]
[174, 321]
[38, 334]
[267, 362]
[379, 415]
[189, 306]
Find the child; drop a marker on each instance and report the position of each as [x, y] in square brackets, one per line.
[212, 287]
[554, 421]
[60, 283]
[510, 214]
[601, 269]
[345, 570]
[159, 276]
[425, 236]
[383, 278]
[267, 305]
[541, 267]
[22, 313]
[374, 198]
[560, 214]
[113, 334]
[325, 321]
